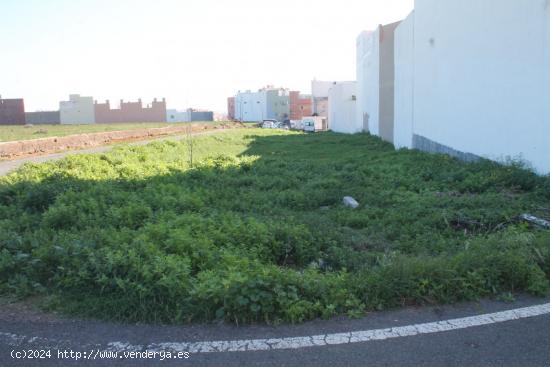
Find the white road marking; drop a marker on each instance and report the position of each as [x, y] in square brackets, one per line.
[305, 341]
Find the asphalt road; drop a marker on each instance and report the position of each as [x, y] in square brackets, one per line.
[523, 343]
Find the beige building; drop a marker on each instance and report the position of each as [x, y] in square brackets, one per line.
[77, 110]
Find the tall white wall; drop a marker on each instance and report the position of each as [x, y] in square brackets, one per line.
[368, 78]
[481, 81]
[250, 106]
[545, 166]
[320, 88]
[404, 83]
[342, 108]
[362, 41]
[77, 110]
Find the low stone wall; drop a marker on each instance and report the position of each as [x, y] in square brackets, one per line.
[426, 145]
[56, 144]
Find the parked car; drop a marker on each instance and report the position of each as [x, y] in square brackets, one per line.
[296, 125]
[269, 124]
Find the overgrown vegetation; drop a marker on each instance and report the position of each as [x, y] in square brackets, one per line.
[255, 230]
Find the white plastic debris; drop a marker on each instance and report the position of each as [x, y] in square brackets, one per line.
[534, 220]
[350, 202]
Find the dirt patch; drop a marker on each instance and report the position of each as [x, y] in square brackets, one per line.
[26, 311]
[52, 144]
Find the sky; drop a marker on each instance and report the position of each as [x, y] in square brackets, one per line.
[194, 53]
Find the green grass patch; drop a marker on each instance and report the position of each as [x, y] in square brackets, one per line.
[255, 231]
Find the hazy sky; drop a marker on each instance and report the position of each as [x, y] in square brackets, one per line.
[194, 53]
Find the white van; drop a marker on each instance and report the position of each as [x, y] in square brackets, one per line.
[314, 123]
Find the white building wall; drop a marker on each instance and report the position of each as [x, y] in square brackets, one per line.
[250, 106]
[481, 77]
[342, 108]
[77, 110]
[544, 165]
[320, 89]
[404, 83]
[177, 116]
[369, 105]
[361, 46]
[238, 112]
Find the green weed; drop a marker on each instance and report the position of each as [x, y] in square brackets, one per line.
[255, 231]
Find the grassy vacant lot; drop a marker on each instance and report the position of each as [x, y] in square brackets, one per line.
[255, 230]
[11, 133]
